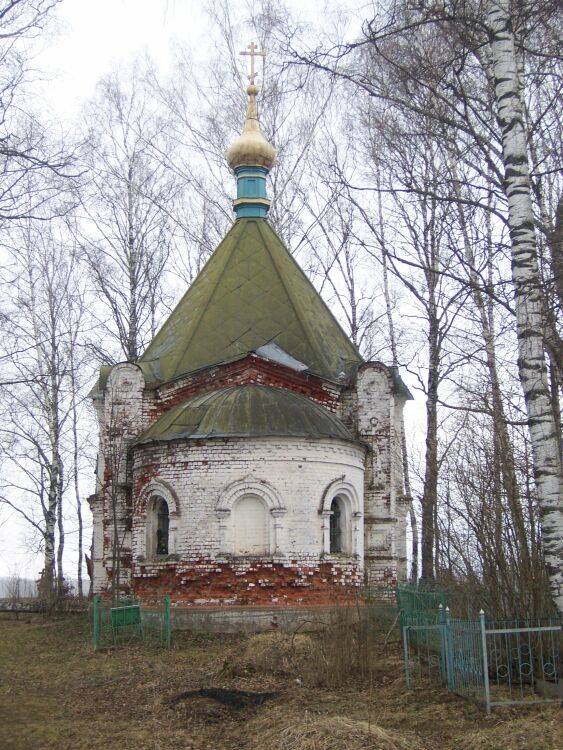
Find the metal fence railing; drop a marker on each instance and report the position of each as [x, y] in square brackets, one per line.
[523, 661]
[130, 622]
[419, 603]
[498, 663]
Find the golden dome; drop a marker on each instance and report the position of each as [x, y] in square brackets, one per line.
[251, 149]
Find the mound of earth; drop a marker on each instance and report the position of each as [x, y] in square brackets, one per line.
[274, 653]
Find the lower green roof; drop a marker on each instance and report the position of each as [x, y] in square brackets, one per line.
[246, 411]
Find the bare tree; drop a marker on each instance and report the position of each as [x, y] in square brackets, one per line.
[126, 227]
[39, 337]
[479, 100]
[335, 256]
[34, 168]
[206, 105]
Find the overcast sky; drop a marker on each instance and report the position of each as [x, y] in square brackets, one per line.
[90, 38]
[94, 36]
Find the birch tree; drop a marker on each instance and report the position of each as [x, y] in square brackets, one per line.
[528, 290]
[125, 228]
[461, 66]
[39, 337]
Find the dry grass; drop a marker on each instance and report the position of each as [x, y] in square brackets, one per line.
[56, 694]
[354, 650]
[274, 653]
[312, 732]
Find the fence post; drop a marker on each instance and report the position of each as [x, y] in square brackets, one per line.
[485, 661]
[167, 625]
[96, 621]
[449, 651]
[443, 663]
[406, 656]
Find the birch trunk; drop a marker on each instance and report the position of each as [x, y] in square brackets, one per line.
[395, 362]
[54, 417]
[76, 473]
[49, 507]
[527, 286]
[132, 262]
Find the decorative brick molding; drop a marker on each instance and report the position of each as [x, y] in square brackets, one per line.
[249, 486]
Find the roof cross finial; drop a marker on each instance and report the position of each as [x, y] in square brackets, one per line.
[251, 156]
[252, 51]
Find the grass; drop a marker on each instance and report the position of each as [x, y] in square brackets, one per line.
[55, 693]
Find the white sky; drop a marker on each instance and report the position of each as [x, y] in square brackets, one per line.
[92, 38]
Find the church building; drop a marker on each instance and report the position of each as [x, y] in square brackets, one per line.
[250, 456]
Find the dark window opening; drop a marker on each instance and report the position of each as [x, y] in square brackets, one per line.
[162, 524]
[335, 527]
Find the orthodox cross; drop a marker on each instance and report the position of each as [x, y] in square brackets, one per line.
[253, 52]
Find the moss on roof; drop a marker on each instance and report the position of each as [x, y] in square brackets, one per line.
[251, 292]
[246, 411]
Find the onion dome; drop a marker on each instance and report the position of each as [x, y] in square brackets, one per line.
[251, 156]
[251, 149]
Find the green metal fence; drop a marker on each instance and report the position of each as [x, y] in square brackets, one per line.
[422, 609]
[129, 623]
[498, 663]
[419, 604]
[523, 661]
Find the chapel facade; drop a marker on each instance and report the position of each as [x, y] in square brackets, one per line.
[250, 456]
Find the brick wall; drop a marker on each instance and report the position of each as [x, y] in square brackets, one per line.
[249, 370]
[202, 480]
[195, 477]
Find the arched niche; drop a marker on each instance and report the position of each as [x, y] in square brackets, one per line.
[341, 519]
[251, 526]
[250, 515]
[161, 509]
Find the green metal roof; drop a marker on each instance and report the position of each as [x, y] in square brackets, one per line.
[246, 411]
[250, 293]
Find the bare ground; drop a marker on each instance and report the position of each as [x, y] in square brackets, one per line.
[55, 692]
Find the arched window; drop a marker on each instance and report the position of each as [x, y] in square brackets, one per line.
[158, 527]
[340, 527]
[162, 526]
[336, 526]
[341, 519]
[251, 526]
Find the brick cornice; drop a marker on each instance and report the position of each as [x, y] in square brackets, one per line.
[250, 369]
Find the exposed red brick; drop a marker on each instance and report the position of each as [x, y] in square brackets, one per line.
[260, 583]
[249, 370]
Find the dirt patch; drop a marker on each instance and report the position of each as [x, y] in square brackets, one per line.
[237, 699]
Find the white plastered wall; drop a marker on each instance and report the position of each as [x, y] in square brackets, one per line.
[292, 476]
